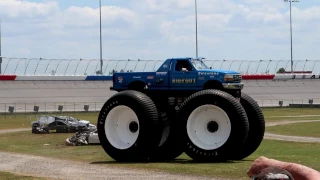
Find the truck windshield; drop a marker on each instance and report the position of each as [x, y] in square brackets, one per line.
[199, 64]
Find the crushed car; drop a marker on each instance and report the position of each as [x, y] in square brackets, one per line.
[93, 138]
[77, 140]
[83, 138]
[61, 124]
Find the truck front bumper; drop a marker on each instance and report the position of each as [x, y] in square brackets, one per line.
[232, 85]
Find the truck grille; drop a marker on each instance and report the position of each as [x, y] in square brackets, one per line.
[237, 77]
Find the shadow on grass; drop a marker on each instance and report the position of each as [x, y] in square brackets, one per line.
[176, 161]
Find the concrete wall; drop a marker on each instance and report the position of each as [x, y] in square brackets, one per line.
[290, 91]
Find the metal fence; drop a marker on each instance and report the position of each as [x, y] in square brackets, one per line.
[51, 107]
[12, 109]
[18, 109]
[42, 66]
[294, 103]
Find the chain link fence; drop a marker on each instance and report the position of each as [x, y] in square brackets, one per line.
[290, 103]
[43, 66]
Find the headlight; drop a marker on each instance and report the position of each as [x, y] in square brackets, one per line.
[228, 77]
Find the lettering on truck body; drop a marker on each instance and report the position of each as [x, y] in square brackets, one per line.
[192, 80]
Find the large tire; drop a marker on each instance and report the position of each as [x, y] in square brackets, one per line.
[256, 124]
[128, 126]
[213, 125]
[169, 147]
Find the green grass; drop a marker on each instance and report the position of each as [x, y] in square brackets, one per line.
[290, 111]
[11, 176]
[279, 119]
[276, 114]
[305, 153]
[24, 120]
[309, 129]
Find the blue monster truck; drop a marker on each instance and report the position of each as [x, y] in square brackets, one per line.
[184, 106]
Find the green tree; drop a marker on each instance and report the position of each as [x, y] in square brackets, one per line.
[281, 70]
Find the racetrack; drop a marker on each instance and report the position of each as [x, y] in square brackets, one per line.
[268, 93]
[23, 95]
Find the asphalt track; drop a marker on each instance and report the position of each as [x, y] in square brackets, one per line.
[73, 95]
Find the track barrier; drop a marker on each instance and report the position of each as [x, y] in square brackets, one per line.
[108, 78]
[48, 66]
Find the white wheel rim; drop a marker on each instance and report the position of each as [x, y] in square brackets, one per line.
[122, 127]
[208, 118]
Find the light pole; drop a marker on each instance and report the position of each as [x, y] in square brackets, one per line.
[291, 31]
[196, 15]
[101, 62]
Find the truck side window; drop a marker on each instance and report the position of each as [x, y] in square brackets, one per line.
[178, 66]
[183, 64]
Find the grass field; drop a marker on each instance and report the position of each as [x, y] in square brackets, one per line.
[305, 153]
[290, 111]
[311, 129]
[10, 176]
[287, 114]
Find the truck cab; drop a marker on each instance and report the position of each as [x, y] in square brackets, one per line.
[194, 74]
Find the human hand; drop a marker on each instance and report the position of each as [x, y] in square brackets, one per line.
[262, 163]
[298, 171]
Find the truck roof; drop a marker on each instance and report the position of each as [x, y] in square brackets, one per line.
[192, 58]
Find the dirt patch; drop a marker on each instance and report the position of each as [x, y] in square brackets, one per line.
[70, 170]
[14, 130]
[289, 122]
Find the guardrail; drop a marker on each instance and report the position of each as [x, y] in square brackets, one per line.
[43, 66]
[108, 78]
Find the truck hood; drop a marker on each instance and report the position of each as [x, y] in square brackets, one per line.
[219, 71]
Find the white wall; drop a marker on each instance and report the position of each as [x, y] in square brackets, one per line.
[265, 92]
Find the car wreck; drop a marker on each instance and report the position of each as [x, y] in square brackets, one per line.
[60, 124]
[83, 138]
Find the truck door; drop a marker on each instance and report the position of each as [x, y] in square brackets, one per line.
[183, 75]
[161, 81]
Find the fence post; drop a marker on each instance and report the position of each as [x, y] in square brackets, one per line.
[25, 110]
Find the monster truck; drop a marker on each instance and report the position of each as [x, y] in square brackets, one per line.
[184, 106]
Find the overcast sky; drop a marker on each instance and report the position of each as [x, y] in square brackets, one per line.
[159, 29]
